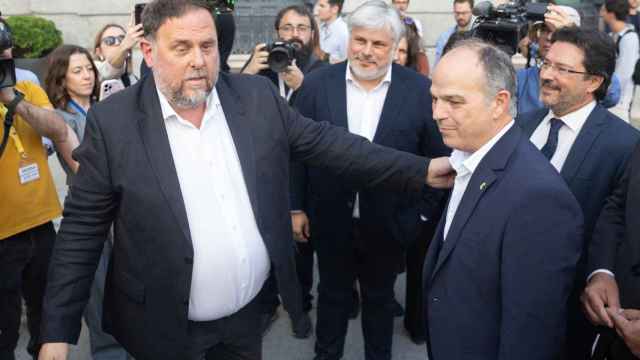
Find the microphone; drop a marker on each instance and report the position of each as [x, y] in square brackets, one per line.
[483, 9]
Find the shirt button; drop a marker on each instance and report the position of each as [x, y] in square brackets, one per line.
[435, 299]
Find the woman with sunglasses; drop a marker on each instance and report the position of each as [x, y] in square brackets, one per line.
[71, 83]
[112, 49]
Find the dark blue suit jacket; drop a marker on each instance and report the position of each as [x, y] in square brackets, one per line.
[594, 166]
[405, 124]
[496, 289]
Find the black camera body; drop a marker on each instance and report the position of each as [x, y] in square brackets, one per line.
[7, 66]
[505, 25]
[281, 55]
[221, 6]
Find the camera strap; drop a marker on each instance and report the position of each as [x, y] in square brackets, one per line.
[8, 120]
[283, 92]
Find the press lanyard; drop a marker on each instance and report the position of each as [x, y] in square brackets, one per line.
[283, 92]
[17, 142]
[28, 170]
[77, 108]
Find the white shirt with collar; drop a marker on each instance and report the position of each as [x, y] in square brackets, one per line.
[334, 39]
[230, 262]
[465, 165]
[364, 109]
[569, 131]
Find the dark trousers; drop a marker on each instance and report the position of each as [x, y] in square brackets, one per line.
[304, 267]
[416, 253]
[24, 261]
[235, 337]
[371, 257]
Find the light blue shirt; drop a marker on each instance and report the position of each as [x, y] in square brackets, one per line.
[334, 38]
[442, 41]
[26, 75]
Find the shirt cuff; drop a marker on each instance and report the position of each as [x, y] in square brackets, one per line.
[296, 212]
[605, 271]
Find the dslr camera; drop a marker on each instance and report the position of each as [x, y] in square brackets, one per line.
[7, 66]
[281, 55]
[505, 25]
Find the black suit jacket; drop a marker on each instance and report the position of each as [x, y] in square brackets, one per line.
[616, 247]
[127, 178]
[497, 288]
[405, 124]
[594, 166]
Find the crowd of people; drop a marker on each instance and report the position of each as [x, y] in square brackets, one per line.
[199, 199]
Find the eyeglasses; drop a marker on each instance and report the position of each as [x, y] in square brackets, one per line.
[113, 40]
[288, 29]
[561, 70]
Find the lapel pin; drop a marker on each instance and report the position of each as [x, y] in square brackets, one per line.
[483, 186]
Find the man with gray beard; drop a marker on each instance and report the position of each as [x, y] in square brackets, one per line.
[192, 169]
[360, 233]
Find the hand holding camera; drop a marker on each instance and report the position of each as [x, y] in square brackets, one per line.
[556, 18]
[292, 76]
[258, 60]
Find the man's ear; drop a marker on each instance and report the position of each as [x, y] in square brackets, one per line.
[595, 82]
[502, 103]
[146, 47]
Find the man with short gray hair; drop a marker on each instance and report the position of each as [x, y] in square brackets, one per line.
[500, 268]
[359, 232]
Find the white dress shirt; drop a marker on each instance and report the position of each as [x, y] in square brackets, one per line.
[465, 165]
[363, 111]
[569, 131]
[230, 261]
[334, 39]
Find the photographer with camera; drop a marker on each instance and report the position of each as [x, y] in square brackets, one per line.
[287, 60]
[29, 198]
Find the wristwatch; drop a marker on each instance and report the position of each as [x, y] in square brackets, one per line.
[11, 107]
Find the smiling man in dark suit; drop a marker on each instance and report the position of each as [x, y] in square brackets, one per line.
[587, 144]
[191, 167]
[499, 270]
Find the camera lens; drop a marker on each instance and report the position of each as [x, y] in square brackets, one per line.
[279, 59]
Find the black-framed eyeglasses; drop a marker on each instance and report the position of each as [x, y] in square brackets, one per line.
[547, 65]
[289, 28]
[113, 40]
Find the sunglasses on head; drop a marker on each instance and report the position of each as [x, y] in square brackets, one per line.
[113, 40]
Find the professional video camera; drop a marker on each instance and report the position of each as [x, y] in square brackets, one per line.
[281, 54]
[221, 6]
[505, 25]
[7, 66]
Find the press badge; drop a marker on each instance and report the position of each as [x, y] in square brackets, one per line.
[28, 169]
[28, 172]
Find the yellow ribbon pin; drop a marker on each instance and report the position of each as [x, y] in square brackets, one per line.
[483, 186]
